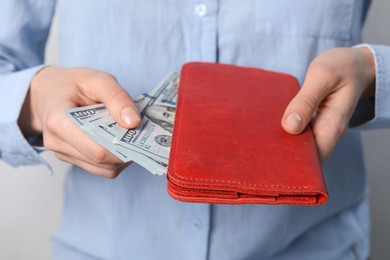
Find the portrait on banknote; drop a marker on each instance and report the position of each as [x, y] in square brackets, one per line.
[162, 115]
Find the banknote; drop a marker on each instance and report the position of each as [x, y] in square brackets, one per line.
[154, 133]
[149, 143]
[103, 134]
[80, 117]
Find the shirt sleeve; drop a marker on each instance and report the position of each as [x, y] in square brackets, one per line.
[379, 106]
[22, 42]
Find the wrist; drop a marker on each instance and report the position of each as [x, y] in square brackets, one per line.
[29, 121]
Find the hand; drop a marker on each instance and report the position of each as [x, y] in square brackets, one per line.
[334, 83]
[55, 89]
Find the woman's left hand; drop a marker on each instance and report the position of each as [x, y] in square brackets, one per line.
[334, 83]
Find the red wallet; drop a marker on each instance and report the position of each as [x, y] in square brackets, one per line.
[228, 145]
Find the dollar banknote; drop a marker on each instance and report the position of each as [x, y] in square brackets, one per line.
[149, 143]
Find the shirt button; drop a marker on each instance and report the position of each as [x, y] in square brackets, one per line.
[197, 224]
[201, 10]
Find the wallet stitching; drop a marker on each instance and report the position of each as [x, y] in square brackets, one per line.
[178, 116]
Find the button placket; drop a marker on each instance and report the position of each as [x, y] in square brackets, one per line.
[203, 31]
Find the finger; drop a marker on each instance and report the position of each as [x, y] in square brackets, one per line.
[103, 172]
[70, 151]
[328, 126]
[301, 109]
[102, 87]
[59, 128]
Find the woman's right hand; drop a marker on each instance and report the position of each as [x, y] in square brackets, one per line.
[55, 89]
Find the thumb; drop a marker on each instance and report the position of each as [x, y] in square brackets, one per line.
[303, 107]
[120, 105]
[122, 109]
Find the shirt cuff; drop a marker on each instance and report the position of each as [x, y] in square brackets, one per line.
[14, 148]
[382, 88]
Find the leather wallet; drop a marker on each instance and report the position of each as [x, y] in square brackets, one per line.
[228, 145]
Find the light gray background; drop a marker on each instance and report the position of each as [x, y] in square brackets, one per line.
[31, 198]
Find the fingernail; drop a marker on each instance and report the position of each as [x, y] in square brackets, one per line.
[294, 122]
[129, 115]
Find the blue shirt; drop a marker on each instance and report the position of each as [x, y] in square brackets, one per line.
[132, 217]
